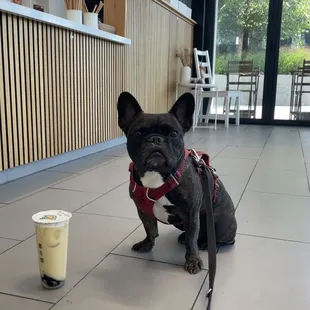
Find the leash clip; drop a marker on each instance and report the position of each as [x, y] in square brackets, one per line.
[195, 155]
[198, 159]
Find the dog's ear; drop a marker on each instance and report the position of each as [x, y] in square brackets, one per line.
[183, 110]
[128, 109]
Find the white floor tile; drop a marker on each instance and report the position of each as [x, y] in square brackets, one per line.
[241, 152]
[274, 216]
[120, 283]
[26, 186]
[279, 181]
[260, 274]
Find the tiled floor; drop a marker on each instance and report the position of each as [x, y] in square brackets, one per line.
[265, 170]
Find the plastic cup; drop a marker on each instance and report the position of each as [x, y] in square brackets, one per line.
[52, 232]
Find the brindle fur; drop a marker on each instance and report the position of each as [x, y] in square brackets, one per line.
[189, 196]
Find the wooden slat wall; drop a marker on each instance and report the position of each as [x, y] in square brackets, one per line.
[152, 68]
[58, 88]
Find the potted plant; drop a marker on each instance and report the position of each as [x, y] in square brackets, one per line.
[186, 72]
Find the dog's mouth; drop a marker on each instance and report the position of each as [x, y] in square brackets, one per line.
[155, 161]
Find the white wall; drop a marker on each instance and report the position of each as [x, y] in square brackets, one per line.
[57, 7]
[54, 7]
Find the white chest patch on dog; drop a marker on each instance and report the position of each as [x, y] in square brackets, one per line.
[153, 179]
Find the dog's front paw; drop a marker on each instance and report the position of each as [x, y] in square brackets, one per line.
[193, 264]
[144, 246]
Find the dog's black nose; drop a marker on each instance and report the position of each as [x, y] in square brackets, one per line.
[156, 139]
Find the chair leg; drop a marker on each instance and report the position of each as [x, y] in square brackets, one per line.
[215, 118]
[208, 110]
[195, 111]
[197, 108]
[238, 111]
[227, 116]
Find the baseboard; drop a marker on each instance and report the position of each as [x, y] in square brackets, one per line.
[24, 170]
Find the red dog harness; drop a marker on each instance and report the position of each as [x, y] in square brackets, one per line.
[145, 197]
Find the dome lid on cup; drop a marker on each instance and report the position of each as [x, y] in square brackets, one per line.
[51, 217]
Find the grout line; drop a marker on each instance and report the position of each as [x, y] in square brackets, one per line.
[74, 190]
[35, 191]
[109, 216]
[273, 193]
[151, 260]
[200, 290]
[77, 283]
[28, 298]
[303, 155]
[10, 239]
[113, 159]
[111, 190]
[202, 285]
[70, 176]
[252, 172]
[248, 158]
[15, 245]
[274, 238]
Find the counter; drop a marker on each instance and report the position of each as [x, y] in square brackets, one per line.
[25, 12]
[61, 81]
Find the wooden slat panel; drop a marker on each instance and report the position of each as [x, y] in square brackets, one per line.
[51, 93]
[18, 102]
[27, 85]
[59, 89]
[4, 162]
[2, 114]
[46, 91]
[36, 72]
[13, 88]
[5, 39]
[61, 92]
[66, 38]
[41, 89]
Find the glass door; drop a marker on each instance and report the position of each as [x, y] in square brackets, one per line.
[293, 86]
[240, 52]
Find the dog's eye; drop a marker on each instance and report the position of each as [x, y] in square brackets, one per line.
[138, 134]
[174, 134]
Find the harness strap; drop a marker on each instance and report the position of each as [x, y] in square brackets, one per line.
[155, 194]
[207, 184]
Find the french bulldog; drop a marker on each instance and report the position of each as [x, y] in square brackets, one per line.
[155, 144]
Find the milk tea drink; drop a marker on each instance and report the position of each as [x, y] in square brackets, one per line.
[52, 231]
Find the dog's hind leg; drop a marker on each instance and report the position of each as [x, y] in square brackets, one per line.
[151, 229]
[202, 238]
[226, 229]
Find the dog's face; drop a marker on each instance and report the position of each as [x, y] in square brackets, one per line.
[155, 141]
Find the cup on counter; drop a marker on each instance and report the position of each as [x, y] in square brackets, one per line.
[75, 16]
[52, 232]
[90, 20]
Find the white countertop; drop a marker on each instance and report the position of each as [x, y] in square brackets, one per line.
[23, 11]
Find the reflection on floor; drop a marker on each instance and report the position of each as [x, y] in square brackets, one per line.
[265, 169]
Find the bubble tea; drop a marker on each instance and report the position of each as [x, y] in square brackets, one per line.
[52, 231]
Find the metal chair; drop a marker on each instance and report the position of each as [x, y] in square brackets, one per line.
[243, 69]
[300, 85]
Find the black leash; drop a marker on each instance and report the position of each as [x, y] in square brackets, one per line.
[207, 185]
[208, 189]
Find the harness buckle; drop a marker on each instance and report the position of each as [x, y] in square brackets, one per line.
[195, 155]
[198, 159]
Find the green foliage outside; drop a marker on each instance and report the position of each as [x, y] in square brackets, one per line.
[290, 59]
[247, 20]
